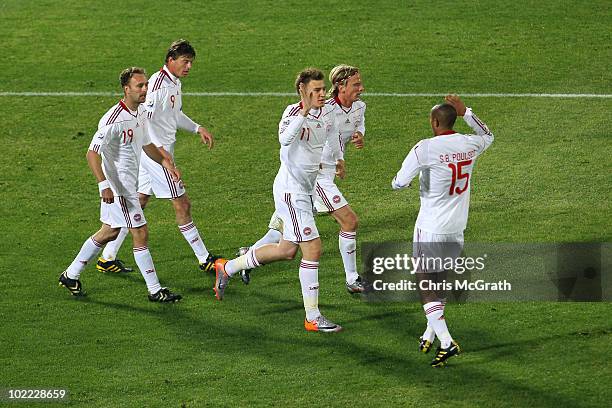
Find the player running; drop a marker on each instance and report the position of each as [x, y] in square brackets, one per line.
[349, 114]
[304, 130]
[165, 116]
[444, 164]
[113, 156]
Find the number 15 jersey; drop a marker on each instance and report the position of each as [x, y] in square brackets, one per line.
[444, 164]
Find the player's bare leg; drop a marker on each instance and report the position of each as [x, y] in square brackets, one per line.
[182, 208]
[347, 243]
[308, 272]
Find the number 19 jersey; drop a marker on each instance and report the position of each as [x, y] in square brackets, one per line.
[444, 164]
[119, 140]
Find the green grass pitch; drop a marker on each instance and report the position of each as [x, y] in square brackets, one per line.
[546, 178]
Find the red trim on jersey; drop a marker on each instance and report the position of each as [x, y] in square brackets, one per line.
[319, 115]
[342, 106]
[447, 132]
[124, 106]
[163, 71]
[113, 116]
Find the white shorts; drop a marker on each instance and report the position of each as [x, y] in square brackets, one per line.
[328, 198]
[295, 211]
[153, 178]
[125, 211]
[434, 249]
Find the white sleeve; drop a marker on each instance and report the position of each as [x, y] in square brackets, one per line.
[289, 127]
[484, 135]
[333, 139]
[184, 122]
[413, 163]
[101, 138]
[361, 124]
[154, 106]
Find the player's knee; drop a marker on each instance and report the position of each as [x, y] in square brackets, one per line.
[289, 253]
[113, 234]
[140, 234]
[353, 222]
[183, 206]
[350, 222]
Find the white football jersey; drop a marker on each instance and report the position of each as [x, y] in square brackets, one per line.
[164, 105]
[119, 140]
[302, 140]
[444, 164]
[348, 121]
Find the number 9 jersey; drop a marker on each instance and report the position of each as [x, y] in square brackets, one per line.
[444, 164]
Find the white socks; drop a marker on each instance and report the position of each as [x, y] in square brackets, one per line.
[244, 262]
[434, 311]
[347, 242]
[429, 334]
[271, 237]
[192, 236]
[88, 252]
[112, 248]
[143, 259]
[309, 279]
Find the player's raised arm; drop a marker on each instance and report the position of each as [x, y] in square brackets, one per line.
[410, 167]
[477, 125]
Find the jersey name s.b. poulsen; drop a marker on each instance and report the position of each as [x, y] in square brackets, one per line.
[444, 164]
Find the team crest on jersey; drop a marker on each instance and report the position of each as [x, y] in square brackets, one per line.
[150, 103]
[307, 231]
[336, 199]
[137, 217]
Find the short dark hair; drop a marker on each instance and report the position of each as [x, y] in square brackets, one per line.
[128, 73]
[445, 114]
[307, 75]
[180, 48]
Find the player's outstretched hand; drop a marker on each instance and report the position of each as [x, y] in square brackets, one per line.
[207, 137]
[457, 103]
[107, 196]
[357, 140]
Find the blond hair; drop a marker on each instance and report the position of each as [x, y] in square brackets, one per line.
[339, 75]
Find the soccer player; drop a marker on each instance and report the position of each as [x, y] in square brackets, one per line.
[444, 164]
[165, 113]
[349, 114]
[113, 156]
[304, 129]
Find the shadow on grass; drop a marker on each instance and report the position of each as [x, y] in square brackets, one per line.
[275, 335]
